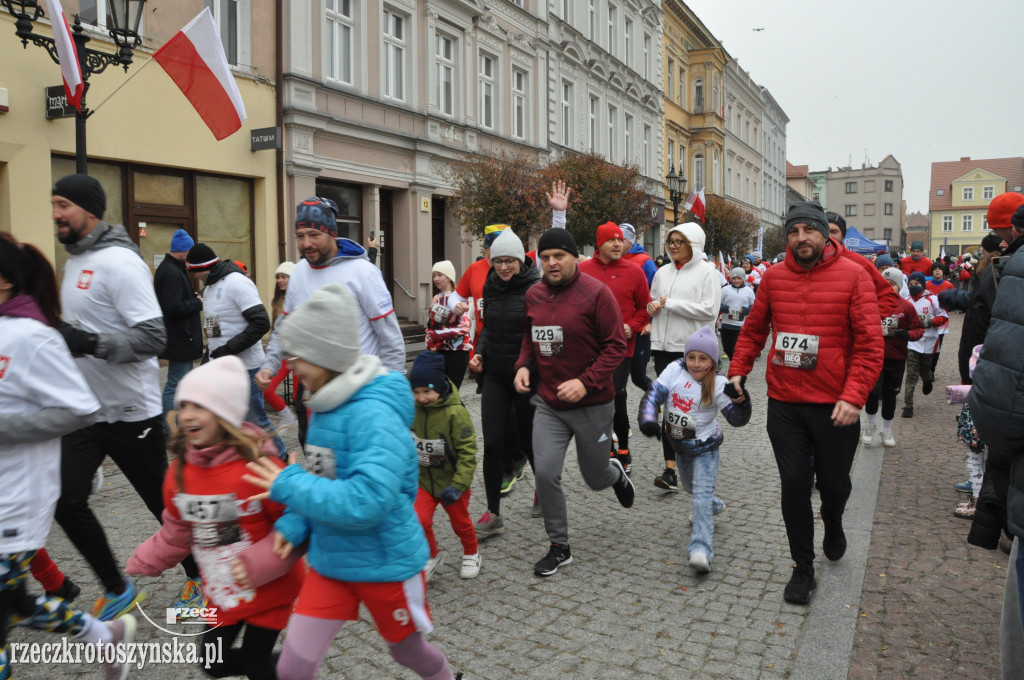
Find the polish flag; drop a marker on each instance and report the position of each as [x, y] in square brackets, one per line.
[695, 204]
[70, 69]
[194, 59]
[722, 265]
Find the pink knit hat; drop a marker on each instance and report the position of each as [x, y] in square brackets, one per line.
[220, 386]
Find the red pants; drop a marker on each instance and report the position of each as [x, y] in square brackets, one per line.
[458, 513]
[271, 396]
[46, 572]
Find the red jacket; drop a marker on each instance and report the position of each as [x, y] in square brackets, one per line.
[887, 297]
[936, 289]
[835, 302]
[628, 284]
[909, 265]
[218, 530]
[471, 285]
[907, 319]
[572, 331]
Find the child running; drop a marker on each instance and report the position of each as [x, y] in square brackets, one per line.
[692, 392]
[43, 396]
[207, 514]
[446, 444]
[354, 504]
[447, 331]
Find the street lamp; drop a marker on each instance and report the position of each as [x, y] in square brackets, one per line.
[676, 189]
[125, 16]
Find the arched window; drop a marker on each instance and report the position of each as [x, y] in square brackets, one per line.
[698, 96]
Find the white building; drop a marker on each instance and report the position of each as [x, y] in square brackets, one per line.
[773, 161]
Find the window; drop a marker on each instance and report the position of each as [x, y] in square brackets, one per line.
[887, 234]
[714, 95]
[966, 222]
[518, 104]
[887, 208]
[714, 176]
[698, 172]
[231, 17]
[682, 158]
[487, 89]
[593, 123]
[672, 154]
[851, 211]
[613, 17]
[645, 160]
[592, 13]
[566, 113]
[968, 193]
[988, 193]
[947, 223]
[394, 55]
[851, 187]
[940, 192]
[627, 43]
[628, 131]
[888, 185]
[682, 87]
[612, 114]
[339, 40]
[869, 209]
[698, 96]
[567, 11]
[816, 196]
[670, 74]
[444, 55]
[984, 222]
[647, 56]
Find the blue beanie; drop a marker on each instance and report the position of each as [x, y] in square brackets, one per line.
[917, 276]
[428, 371]
[181, 242]
[883, 261]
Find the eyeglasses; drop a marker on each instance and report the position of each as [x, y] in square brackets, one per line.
[675, 242]
[504, 262]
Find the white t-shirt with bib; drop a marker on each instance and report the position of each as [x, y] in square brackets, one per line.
[223, 304]
[110, 290]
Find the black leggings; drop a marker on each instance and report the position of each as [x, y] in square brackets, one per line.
[886, 388]
[138, 449]
[729, 337]
[455, 363]
[662, 360]
[499, 396]
[620, 421]
[255, 658]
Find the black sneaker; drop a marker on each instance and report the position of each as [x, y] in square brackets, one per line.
[908, 411]
[557, 556]
[624, 487]
[627, 461]
[667, 480]
[68, 591]
[801, 583]
[834, 543]
[926, 387]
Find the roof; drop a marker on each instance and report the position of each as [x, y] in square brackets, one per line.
[795, 170]
[944, 173]
[916, 219]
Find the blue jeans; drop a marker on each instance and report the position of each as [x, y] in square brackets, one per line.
[1020, 580]
[176, 370]
[697, 474]
[257, 414]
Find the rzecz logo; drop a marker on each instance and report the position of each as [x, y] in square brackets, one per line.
[85, 279]
[4, 361]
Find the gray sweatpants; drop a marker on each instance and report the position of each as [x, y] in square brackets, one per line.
[552, 430]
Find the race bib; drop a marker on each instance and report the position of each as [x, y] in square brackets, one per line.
[430, 452]
[796, 350]
[211, 326]
[681, 425]
[735, 313]
[480, 308]
[439, 313]
[548, 341]
[320, 461]
[217, 541]
[925, 319]
[889, 324]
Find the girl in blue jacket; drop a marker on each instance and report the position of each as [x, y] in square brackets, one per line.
[353, 504]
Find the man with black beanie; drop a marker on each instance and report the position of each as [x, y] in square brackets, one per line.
[573, 343]
[114, 327]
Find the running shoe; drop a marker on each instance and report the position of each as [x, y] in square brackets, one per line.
[113, 605]
[122, 634]
[489, 524]
[667, 480]
[557, 556]
[191, 595]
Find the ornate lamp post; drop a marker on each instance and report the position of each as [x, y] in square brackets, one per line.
[676, 189]
[125, 16]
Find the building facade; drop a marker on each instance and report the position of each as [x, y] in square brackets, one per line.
[161, 167]
[744, 114]
[958, 200]
[773, 161]
[870, 198]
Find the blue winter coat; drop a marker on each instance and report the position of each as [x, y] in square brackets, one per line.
[357, 511]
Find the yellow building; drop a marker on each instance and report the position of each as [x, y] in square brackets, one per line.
[160, 165]
[693, 63]
[959, 197]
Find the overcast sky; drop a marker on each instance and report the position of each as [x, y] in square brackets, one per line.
[923, 80]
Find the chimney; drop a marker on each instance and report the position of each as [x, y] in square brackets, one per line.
[964, 158]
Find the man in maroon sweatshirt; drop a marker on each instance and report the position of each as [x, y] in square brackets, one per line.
[573, 343]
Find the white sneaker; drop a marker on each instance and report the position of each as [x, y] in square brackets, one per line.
[887, 439]
[122, 631]
[868, 436]
[470, 566]
[700, 562]
[432, 564]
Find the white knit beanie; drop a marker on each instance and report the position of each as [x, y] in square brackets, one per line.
[508, 245]
[447, 268]
[221, 386]
[325, 330]
[285, 268]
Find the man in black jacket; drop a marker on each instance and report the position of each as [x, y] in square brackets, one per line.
[182, 308]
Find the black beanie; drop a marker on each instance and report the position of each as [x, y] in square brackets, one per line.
[428, 371]
[560, 239]
[15, 265]
[808, 212]
[990, 244]
[838, 220]
[83, 191]
[200, 258]
[1017, 220]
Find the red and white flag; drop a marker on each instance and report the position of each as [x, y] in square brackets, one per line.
[70, 69]
[722, 265]
[695, 203]
[194, 59]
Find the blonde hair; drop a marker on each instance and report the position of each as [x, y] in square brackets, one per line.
[244, 443]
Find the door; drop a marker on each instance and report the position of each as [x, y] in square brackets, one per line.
[154, 238]
[437, 245]
[387, 224]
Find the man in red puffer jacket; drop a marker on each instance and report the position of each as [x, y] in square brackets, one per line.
[825, 357]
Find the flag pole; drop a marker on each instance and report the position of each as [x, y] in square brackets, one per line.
[123, 83]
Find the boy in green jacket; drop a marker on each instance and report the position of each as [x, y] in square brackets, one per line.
[446, 444]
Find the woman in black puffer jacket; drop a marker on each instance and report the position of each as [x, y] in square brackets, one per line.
[511, 275]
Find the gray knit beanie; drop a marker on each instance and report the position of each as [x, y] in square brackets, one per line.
[508, 245]
[325, 330]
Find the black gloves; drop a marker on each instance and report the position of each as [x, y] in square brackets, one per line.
[731, 391]
[901, 334]
[79, 342]
[221, 351]
[651, 429]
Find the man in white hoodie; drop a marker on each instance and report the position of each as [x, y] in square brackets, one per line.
[685, 296]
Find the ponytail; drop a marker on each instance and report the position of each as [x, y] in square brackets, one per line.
[37, 278]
